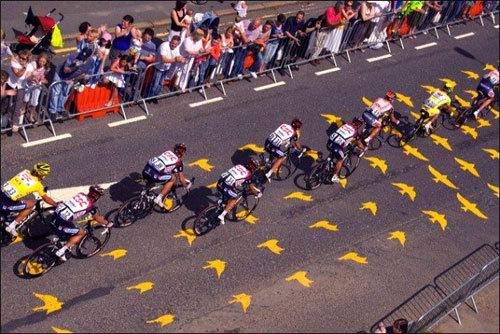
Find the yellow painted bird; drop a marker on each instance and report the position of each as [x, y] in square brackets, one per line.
[371, 206]
[410, 150]
[252, 147]
[330, 118]
[405, 189]
[60, 330]
[494, 189]
[441, 178]
[483, 123]
[312, 154]
[378, 163]
[398, 235]
[301, 277]
[450, 82]
[492, 153]
[252, 220]
[495, 113]
[324, 224]
[471, 75]
[467, 130]
[272, 245]
[300, 196]
[489, 67]
[441, 141]
[188, 234]
[142, 287]
[366, 101]
[243, 299]
[353, 256]
[32, 267]
[471, 207]
[472, 93]
[202, 164]
[415, 115]
[163, 320]
[436, 217]
[467, 166]
[429, 89]
[343, 183]
[50, 303]
[116, 254]
[463, 103]
[404, 99]
[212, 185]
[218, 265]
[16, 240]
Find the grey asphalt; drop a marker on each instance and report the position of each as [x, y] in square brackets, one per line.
[344, 296]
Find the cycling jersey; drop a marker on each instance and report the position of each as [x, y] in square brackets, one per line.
[340, 139]
[377, 110]
[435, 102]
[67, 212]
[487, 84]
[234, 181]
[278, 142]
[22, 185]
[162, 167]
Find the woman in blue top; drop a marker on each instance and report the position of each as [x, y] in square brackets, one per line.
[123, 37]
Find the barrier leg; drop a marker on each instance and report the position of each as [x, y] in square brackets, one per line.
[274, 76]
[474, 303]
[348, 56]
[492, 17]
[222, 88]
[402, 45]
[458, 316]
[123, 111]
[388, 46]
[25, 135]
[448, 29]
[290, 71]
[436, 32]
[204, 92]
[334, 60]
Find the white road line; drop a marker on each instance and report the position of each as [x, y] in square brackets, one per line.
[197, 104]
[63, 194]
[330, 70]
[371, 60]
[46, 140]
[465, 35]
[496, 27]
[126, 121]
[279, 83]
[424, 46]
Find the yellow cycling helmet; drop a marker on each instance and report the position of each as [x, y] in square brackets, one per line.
[42, 169]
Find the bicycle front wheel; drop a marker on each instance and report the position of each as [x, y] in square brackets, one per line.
[131, 211]
[284, 172]
[351, 162]
[206, 220]
[93, 242]
[315, 178]
[41, 261]
[244, 208]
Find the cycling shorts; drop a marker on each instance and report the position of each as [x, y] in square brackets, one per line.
[227, 191]
[64, 228]
[153, 176]
[9, 205]
[336, 151]
[485, 90]
[275, 152]
[432, 112]
[370, 120]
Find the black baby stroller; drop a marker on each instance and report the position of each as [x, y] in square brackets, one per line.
[39, 38]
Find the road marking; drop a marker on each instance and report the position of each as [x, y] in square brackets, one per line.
[330, 70]
[197, 104]
[424, 46]
[63, 194]
[126, 121]
[465, 35]
[496, 27]
[46, 140]
[279, 83]
[370, 60]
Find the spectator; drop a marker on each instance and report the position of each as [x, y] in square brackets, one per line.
[241, 8]
[103, 47]
[6, 101]
[187, 20]
[334, 39]
[227, 44]
[190, 48]
[124, 32]
[147, 55]
[119, 67]
[324, 25]
[259, 47]
[380, 328]
[361, 28]
[177, 16]
[6, 52]
[377, 32]
[206, 68]
[276, 38]
[433, 8]
[89, 41]
[83, 28]
[414, 10]
[246, 32]
[135, 47]
[34, 81]
[293, 28]
[400, 326]
[170, 59]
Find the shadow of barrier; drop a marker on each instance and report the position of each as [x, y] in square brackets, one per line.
[453, 287]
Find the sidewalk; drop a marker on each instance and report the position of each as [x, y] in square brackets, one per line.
[486, 321]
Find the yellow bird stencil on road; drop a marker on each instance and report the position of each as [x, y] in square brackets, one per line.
[483, 123]
[252, 147]
[495, 113]
[188, 234]
[410, 150]
[272, 245]
[301, 277]
[489, 67]
[415, 115]
[163, 320]
[441, 178]
[312, 154]
[116, 254]
[450, 82]
[243, 299]
[218, 265]
[436, 217]
[467, 130]
[61, 330]
[470, 207]
[250, 219]
[404, 99]
[377, 163]
[142, 287]
[203, 164]
[472, 93]
[405, 189]
[343, 183]
[330, 118]
[441, 141]
[429, 89]
[50, 303]
[212, 185]
[366, 101]
[492, 153]
[353, 256]
[300, 196]
[494, 189]
[463, 103]
[371, 206]
[467, 166]
[398, 235]
[325, 224]
[471, 75]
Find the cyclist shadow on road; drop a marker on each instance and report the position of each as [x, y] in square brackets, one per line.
[241, 157]
[196, 201]
[126, 188]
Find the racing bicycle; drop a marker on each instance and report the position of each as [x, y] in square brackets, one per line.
[288, 167]
[463, 114]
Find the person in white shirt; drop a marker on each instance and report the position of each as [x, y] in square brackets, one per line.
[190, 48]
[170, 59]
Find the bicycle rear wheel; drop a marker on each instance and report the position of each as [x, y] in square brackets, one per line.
[284, 172]
[244, 208]
[41, 261]
[315, 178]
[206, 220]
[131, 211]
[351, 162]
[93, 242]
[375, 144]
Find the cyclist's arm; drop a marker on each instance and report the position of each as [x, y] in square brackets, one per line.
[185, 182]
[100, 219]
[47, 199]
[296, 145]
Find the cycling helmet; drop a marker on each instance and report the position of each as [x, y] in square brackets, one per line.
[252, 165]
[180, 149]
[390, 95]
[42, 169]
[356, 122]
[296, 123]
[95, 192]
[448, 87]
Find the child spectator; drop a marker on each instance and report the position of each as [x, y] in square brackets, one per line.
[147, 54]
[135, 46]
[186, 21]
[33, 82]
[117, 78]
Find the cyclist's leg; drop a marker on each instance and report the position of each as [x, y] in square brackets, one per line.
[24, 207]
[66, 229]
[372, 125]
[230, 197]
[338, 155]
[169, 182]
[484, 104]
[279, 157]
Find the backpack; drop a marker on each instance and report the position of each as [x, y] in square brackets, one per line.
[332, 19]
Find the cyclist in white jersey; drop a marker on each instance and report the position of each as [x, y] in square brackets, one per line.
[232, 184]
[374, 114]
[279, 141]
[486, 90]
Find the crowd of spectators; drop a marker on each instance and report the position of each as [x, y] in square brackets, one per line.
[197, 51]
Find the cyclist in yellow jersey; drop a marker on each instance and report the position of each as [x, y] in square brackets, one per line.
[16, 189]
[438, 101]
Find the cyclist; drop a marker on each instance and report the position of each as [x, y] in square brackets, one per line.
[376, 112]
[232, 184]
[165, 168]
[278, 143]
[486, 90]
[439, 100]
[338, 142]
[73, 210]
[17, 188]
